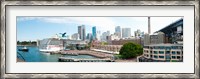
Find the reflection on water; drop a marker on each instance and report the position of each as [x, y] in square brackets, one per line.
[34, 55]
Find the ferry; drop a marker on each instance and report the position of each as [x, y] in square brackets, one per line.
[24, 49]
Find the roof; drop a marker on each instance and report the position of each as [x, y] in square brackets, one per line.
[164, 45]
[172, 25]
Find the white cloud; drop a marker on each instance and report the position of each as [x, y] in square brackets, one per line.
[108, 23]
[102, 23]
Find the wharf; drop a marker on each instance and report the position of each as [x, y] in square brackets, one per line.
[83, 52]
[64, 59]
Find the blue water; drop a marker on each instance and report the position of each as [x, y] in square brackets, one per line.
[34, 55]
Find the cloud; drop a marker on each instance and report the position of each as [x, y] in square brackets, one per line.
[102, 23]
[108, 23]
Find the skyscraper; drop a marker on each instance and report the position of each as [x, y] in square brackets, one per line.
[138, 33]
[118, 31]
[126, 32]
[89, 36]
[75, 36]
[81, 32]
[98, 35]
[104, 35]
[94, 34]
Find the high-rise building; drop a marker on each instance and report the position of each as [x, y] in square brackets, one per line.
[126, 32]
[118, 31]
[94, 33]
[75, 36]
[139, 34]
[104, 35]
[89, 36]
[81, 32]
[98, 35]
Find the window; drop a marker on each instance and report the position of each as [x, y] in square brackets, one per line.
[156, 47]
[168, 48]
[168, 52]
[161, 47]
[173, 57]
[161, 56]
[173, 52]
[155, 52]
[168, 57]
[178, 52]
[155, 56]
[161, 52]
[178, 57]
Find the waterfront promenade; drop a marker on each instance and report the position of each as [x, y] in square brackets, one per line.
[84, 52]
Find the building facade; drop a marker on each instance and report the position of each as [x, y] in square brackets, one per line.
[123, 41]
[94, 32]
[118, 31]
[75, 36]
[126, 32]
[98, 35]
[112, 37]
[162, 52]
[81, 32]
[174, 31]
[89, 36]
[146, 39]
[104, 35]
[156, 38]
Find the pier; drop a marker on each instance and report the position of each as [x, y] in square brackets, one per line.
[83, 52]
[64, 59]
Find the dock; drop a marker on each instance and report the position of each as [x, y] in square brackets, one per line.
[83, 52]
[64, 59]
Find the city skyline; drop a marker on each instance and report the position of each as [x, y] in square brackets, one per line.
[46, 27]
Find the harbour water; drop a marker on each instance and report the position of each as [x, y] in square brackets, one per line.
[34, 55]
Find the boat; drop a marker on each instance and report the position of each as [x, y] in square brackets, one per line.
[51, 45]
[25, 49]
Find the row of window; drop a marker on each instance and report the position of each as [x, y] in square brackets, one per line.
[167, 57]
[163, 47]
[167, 52]
[155, 56]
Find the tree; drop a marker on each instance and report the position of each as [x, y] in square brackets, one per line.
[130, 50]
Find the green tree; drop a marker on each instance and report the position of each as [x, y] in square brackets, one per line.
[130, 50]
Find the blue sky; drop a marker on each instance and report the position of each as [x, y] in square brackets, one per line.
[33, 28]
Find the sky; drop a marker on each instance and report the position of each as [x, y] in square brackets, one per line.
[37, 28]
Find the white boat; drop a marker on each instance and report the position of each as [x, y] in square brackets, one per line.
[24, 49]
[52, 45]
[51, 48]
